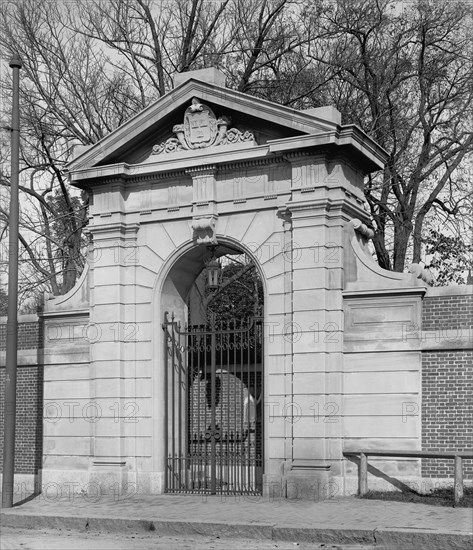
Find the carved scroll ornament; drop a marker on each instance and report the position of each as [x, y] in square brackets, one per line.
[361, 228]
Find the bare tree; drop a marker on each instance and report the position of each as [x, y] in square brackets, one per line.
[68, 97]
[245, 38]
[404, 73]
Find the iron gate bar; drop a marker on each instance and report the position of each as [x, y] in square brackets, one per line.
[213, 361]
[234, 461]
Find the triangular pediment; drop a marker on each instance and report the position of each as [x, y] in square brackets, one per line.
[249, 119]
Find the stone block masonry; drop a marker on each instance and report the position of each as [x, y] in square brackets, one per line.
[447, 383]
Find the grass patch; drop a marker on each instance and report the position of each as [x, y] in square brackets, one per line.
[438, 497]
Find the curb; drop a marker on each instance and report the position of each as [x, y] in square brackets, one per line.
[395, 539]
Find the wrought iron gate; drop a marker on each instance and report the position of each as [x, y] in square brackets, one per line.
[214, 407]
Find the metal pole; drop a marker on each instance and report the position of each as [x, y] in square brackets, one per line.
[12, 322]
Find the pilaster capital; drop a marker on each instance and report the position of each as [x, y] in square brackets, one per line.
[113, 231]
[327, 206]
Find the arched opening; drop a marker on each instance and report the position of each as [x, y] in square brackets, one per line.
[213, 373]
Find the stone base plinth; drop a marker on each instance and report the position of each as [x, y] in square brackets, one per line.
[300, 481]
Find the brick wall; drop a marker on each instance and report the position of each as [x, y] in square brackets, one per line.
[447, 312]
[447, 385]
[29, 421]
[30, 334]
[29, 404]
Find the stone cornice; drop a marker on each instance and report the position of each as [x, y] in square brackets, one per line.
[143, 178]
[179, 163]
[63, 313]
[168, 170]
[172, 164]
[250, 163]
[350, 135]
[302, 156]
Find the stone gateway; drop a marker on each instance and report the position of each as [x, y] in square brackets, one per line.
[208, 170]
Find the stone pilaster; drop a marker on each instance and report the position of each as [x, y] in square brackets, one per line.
[320, 207]
[113, 334]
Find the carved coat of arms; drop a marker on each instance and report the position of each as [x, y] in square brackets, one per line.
[200, 129]
[200, 125]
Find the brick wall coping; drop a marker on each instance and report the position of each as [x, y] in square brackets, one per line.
[459, 290]
[428, 292]
[25, 358]
[30, 318]
[461, 340]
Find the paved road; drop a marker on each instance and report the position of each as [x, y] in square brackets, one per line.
[27, 539]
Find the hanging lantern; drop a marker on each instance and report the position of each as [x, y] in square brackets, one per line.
[213, 271]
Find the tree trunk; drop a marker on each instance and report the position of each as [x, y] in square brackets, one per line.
[402, 232]
[417, 240]
[381, 253]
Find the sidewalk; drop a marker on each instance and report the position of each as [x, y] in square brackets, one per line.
[337, 521]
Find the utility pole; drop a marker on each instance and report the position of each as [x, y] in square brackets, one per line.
[12, 322]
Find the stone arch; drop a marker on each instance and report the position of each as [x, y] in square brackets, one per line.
[172, 286]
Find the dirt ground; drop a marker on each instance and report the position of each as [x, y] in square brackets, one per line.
[28, 539]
